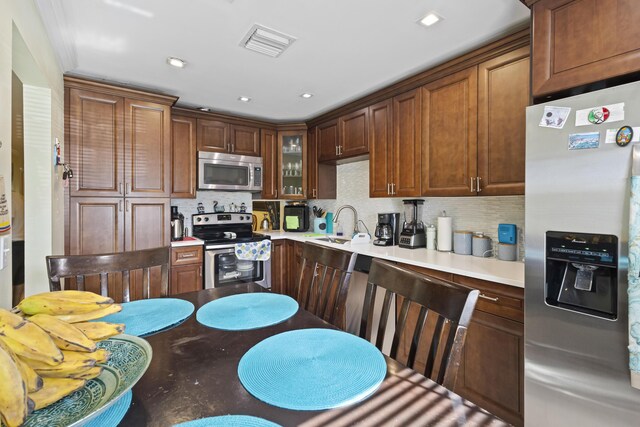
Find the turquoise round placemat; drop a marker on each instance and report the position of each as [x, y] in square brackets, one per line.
[247, 311]
[112, 416]
[312, 369]
[229, 421]
[147, 316]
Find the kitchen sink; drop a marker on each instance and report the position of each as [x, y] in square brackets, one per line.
[333, 240]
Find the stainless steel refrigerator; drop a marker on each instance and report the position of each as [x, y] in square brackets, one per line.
[576, 263]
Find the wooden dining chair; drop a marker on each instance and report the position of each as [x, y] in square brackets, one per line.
[324, 282]
[445, 310]
[79, 267]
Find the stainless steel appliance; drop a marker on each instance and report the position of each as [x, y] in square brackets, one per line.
[576, 263]
[177, 224]
[413, 235]
[221, 171]
[220, 232]
[387, 229]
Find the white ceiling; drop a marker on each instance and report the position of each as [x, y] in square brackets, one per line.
[344, 49]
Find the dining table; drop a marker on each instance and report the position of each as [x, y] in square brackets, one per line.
[194, 374]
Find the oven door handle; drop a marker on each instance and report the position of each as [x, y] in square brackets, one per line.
[225, 246]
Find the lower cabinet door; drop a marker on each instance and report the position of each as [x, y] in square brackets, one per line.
[279, 266]
[147, 225]
[186, 278]
[491, 374]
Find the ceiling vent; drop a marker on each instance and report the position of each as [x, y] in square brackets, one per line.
[266, 41]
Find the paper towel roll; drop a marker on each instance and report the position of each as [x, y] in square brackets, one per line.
[445, 233]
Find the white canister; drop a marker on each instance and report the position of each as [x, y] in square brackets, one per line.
[462, 242]
[431, 236]
[481, 246]
[507, 251]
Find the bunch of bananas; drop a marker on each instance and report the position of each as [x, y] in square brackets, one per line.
[48, 349]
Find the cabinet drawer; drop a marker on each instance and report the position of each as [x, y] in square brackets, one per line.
[428, 272]
[495, 298]
[186, 255]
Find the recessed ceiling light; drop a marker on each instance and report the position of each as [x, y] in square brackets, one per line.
[244, 99]
[430, 19]
[176, 62]
[204, 109]
[306, 95]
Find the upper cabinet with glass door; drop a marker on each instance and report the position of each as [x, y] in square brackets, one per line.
[292, 155]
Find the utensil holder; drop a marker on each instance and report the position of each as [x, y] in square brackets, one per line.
[320, 225]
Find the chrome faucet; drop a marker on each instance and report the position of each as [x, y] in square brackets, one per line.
[355, 217]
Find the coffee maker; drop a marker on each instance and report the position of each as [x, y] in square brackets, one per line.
[413, 235]
[387, 229]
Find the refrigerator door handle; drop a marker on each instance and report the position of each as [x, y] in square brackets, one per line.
[634, 271]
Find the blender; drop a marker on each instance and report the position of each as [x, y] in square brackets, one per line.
[412, 235]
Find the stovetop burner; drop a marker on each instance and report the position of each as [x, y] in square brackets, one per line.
[225, 228]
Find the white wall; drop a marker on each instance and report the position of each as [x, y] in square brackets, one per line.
[24, 15]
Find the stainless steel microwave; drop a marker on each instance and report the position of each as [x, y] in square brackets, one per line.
[221, 171]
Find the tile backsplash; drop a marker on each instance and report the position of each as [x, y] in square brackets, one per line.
[469, 213]
[479, 214]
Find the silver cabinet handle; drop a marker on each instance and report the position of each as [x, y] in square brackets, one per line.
[340, 150]
[388, 188]
[127, 206]
[473, 181]
[276, 194]
[313, 193]
[483, 296]
[233, 148]
[393, 188]
[337, 151]
[120, 188]
[127, 188]
[120, 205]
[478, 181]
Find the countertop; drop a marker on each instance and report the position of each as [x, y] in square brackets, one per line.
[187, 241]
[491, 269]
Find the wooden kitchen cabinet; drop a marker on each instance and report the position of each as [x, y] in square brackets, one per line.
[213, 135]
[147, 143]
[353, 139]
[183, 157]
[503, 95]
[186, 269]
[328, 141]
[292, 164]
[96, 225]
[95, 143]
[578, 42]
[406, 144]
[118, 140]
[147, 223]
[279, 267]
[270, 169]
[492, 368]
[222, 137]
[245, 140]
[321, 177]
[345, 137]
[381, 152]
[449, 135]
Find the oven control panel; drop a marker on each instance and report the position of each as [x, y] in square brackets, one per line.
[221, 218]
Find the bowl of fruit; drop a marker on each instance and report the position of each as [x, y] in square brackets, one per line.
[60, 365]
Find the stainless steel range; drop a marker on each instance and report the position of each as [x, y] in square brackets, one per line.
[221, 232]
